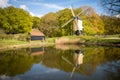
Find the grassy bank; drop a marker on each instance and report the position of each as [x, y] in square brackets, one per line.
[90, 40]
[62, 40]
[8, 44]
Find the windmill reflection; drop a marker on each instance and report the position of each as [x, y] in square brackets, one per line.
[78, 60]
[78, 56]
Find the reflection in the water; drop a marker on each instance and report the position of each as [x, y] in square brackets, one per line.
[15, 62]
[85, 63]
[78, 60]
[68, 47]
[78, 57]
[37, 51]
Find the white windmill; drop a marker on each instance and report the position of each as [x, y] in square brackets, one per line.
[77, 22]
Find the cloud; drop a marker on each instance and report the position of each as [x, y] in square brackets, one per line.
[37, 15]
[27, 9]
[4, 3]
[54, 6]
[24, 7]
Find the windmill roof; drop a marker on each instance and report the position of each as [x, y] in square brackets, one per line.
[36, 32]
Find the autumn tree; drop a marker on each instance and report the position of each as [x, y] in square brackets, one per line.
[112, 24]
[92, 22]
[49, 24]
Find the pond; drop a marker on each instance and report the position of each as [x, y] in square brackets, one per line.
[61, 62]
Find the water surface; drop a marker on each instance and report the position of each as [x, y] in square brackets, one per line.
[61, 62]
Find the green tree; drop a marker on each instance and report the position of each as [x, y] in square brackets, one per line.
[15, 20]
[3, 19]
[36, 22]
[63, 17]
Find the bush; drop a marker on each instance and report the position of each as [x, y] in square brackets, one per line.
[21, 37]
[5, 36]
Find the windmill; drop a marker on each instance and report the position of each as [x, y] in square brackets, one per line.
[77, 22]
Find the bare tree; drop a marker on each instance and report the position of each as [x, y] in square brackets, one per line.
[112, 6]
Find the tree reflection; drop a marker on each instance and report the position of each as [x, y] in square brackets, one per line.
[13, 62]
[112, 53]
[19, 61]
[66, 60]
[73, 61]
[83, 60]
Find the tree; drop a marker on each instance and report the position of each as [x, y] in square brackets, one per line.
[3, 19]
[15, 20]
[112, 6]
[63, 17]
[49, 24]
[36, 22]
[111, 24]
[92, 22]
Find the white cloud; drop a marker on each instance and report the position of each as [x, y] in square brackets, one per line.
[37, 15]
[4, 3]
[32, 13]
[24, 7]
[27, 9]
[118, 15]
[54, 6]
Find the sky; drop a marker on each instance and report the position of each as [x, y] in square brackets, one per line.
[42, 7]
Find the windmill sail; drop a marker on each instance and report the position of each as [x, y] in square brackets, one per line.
[75, 22]
[72, 11]
[67, 22]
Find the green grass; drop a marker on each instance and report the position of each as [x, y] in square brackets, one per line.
[4, 43]
[50, 40]
[18, 43]
[98, 39]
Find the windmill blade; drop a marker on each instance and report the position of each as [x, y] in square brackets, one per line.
[68, 22]
[82, 11]
[72, 11]
[72, 72]
[67, 60]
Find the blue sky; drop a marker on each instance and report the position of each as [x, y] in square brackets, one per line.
[42, 7]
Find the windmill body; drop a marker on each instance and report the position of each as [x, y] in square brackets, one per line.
[80, 26]
[77, 25]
